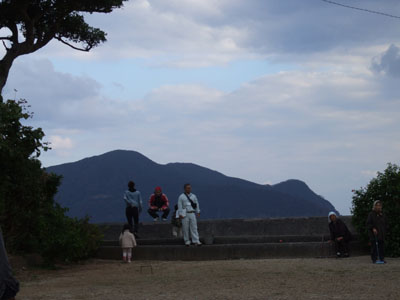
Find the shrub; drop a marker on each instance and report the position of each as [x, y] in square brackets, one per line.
[386, 188]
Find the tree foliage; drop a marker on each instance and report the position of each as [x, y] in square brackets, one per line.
[386, 188]
[32, 221]
[40, 21]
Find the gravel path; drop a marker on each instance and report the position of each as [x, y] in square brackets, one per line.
[352, 278]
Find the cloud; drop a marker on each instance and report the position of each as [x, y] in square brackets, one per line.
[388, 62]
[61, 143]
[369, 173]
[206, 33]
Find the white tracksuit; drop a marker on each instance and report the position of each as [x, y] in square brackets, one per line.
[189, 222]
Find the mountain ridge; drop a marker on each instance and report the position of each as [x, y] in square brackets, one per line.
[94, 186]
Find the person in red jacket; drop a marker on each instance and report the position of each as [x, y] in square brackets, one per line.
[158, 203]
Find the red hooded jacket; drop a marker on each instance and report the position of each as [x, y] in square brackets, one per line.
[161, 202]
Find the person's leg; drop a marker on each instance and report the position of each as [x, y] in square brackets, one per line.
[337, 248]
[135, 213]
[129, 250]
[124, 254]
[381, 250]
[193, 229]
[128, 214]
[153, 213]
[185, 229]
[342, 247]
[374, 252]
[165, 213]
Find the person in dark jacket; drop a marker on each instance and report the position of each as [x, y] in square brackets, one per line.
[340, 235]
[377, 228]
[134, 204]
[158, 202]
[9, 286]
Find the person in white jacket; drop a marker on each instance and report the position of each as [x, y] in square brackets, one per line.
[127, 241]
[188, 208]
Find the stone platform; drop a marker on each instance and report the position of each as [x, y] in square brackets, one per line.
[233, 239]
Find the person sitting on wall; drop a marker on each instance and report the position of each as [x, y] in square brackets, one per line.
[340, 235]
[158, 203]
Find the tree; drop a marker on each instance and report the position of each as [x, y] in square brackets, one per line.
[386, 188]
[30, 218]
[40, 21]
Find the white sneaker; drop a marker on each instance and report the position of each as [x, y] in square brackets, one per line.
[155, 219]
[164, 219]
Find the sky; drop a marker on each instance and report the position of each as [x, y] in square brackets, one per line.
[261, 90]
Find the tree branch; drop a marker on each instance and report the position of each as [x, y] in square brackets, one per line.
[86, 49]
[14, 30]
[5, 46]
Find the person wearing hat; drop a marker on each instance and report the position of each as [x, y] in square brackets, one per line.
[340, 235]
[188, 208]
[158, 202]
[377, 228]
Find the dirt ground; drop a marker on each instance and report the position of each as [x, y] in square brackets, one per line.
[352, 278]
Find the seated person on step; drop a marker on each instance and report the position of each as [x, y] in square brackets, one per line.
[158, 203]
[340, 235]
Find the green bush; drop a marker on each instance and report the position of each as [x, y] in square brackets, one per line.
[31, 220]
[386, 188]
[67, 239]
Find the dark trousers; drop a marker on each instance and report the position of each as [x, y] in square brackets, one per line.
[374, 251]
[133, 212]
[342, 246]
[154, 213]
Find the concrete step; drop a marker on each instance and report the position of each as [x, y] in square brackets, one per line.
[230, 240]
[230, 251]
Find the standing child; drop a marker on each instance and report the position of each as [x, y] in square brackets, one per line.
[176, 223]
[127, 241]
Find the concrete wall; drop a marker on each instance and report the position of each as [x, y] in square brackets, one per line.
[312, 226]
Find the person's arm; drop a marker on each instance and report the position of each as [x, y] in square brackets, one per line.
[126, 199]
[166, 202]
[385, 225]
[180, 206]
[120, 239]
[140, 202]
[198, 205]
[347, 234]
[134, 240]
[331, 232]
[370, 224]
[151, 201]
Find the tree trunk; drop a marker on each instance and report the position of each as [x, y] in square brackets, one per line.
[5, 66]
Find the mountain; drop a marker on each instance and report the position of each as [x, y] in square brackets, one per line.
[95, 186]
